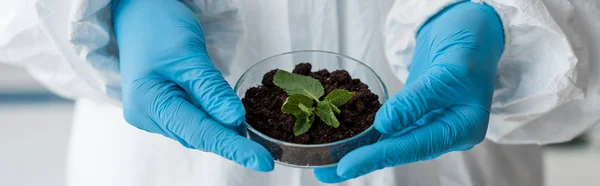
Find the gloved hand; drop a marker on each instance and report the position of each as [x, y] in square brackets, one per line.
[445, 105]
[170, 85]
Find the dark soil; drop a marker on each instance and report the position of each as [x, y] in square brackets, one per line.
[263, 108]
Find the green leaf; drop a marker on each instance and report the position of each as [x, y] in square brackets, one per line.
[306, 110]
[290, 105]
[303, 114]
[334, 108]
[339, 97]
[298, 84]
[325, 112]
[302, 124]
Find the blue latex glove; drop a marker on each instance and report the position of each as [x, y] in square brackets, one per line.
[445, 105]
[170, 85]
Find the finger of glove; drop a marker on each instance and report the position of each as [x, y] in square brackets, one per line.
[422, 96]
[419, 144]
[328, 175]
[197, 75]
[203, 133]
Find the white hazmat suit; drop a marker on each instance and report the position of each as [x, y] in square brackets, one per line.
[547, 82]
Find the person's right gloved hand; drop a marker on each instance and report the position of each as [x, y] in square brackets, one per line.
[170, 85]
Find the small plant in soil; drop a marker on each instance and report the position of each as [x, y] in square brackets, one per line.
[302, 92]
[306, 107]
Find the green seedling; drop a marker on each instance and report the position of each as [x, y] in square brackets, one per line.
[303, 92]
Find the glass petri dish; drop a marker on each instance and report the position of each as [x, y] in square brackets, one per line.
[311, 155]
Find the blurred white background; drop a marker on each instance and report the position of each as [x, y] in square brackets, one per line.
[35, 125]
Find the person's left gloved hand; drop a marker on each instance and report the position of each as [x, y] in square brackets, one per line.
[445, 105]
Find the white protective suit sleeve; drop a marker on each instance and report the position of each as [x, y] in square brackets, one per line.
[33, 36]
[547, 80]
[68, 45]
